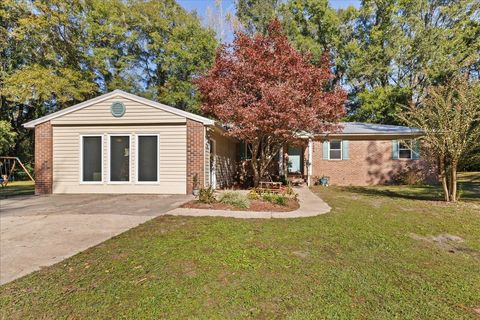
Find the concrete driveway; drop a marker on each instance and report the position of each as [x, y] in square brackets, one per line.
[37, 231]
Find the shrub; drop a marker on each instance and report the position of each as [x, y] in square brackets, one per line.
[289, 191]
[235, 199]
[253, 195]
[409, 176]
[206, 195]
[279, 199]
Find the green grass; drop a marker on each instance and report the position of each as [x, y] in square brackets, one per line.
[369, 258]
[17, 188]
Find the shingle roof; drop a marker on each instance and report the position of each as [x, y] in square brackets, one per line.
[373, 128]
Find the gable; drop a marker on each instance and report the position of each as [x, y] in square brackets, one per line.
[135, 113]
[138, 110]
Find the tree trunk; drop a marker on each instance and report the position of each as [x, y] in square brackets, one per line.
[443, 178]
[453, 176]
[256, 173]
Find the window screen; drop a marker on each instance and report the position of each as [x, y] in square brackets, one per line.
[405, 149]
[119, 158]
[147, 158]
[336, 150]
[92, 159]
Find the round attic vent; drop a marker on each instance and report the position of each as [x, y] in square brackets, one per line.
[118, 109]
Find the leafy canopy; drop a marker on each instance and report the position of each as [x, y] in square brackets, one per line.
[268, 93]
[262, 86]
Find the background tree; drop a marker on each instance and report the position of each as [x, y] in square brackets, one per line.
[268, 93]
[450, 118]
[399, 48]
[7, 138]
[255, 15]
[386, 52]
[56, 53]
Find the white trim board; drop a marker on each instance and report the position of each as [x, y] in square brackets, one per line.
[123, 94]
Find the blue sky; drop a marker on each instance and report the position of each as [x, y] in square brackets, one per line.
[203, 7]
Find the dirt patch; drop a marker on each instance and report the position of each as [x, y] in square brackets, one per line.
[447, 242]
[442, 238]
[301, 254]
[255, 205]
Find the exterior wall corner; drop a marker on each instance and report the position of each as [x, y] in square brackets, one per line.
[43, 158]
[195, 154]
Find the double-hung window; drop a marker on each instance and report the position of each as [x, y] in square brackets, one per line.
[92, 159]
[335, 150]
[119, 158]
[147, 158]
[405, 149]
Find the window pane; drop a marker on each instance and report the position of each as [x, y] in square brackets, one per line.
[335, 145]
[336, 154]
[248, 151]
[404, 144]
[405, 154]
[92, 159]
[147, 158]
[119, 158]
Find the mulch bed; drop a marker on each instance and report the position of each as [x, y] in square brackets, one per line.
[255, 205]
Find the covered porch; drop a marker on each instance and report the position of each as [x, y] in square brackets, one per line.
[295, 163]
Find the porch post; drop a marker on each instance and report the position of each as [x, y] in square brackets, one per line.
[310, 162]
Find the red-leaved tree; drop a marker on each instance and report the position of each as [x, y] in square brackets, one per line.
[268, 94]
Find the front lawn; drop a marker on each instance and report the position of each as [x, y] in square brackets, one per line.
[379, 254]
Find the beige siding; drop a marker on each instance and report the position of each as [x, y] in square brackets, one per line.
[135, 112]
[172, 156]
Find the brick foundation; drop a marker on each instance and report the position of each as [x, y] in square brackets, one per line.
[370, 162]
[195, 153]
[43, 158]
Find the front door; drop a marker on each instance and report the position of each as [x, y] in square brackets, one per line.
[294, 159]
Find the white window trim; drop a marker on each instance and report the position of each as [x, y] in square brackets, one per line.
[109, 135]
[213, 173]
[341, 150]
[410, 141]
[81, 158]
[245, 151]
[137, 143]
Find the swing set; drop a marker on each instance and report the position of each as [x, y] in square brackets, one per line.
[7, 167]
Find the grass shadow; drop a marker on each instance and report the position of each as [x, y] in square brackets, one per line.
[468, 186]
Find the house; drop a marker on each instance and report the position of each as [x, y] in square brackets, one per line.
[122, 143]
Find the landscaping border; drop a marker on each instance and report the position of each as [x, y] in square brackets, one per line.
[310, 205]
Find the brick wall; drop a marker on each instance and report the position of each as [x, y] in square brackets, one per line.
[370, 162]
[195, 153]
[43, 158]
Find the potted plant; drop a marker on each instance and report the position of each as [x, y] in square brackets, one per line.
[195, 189]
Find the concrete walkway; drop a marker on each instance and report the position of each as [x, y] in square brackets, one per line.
[310, 205]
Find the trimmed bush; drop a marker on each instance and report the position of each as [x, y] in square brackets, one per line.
[206, 195]
[235, 199]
